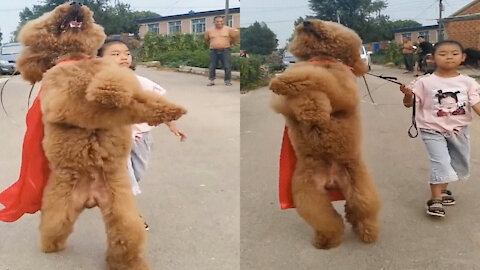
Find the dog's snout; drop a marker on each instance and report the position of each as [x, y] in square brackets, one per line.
[76, 4]
[307, 23]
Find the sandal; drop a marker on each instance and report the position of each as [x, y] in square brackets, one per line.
[435, 208]
[447, 197]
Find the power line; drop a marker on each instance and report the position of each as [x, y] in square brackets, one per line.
[423, 11]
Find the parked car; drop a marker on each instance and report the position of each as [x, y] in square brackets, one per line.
[365, 55]
[288, 59]
[8, 57]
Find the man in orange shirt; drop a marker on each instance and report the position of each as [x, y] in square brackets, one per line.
[220, 38]
[407, 51]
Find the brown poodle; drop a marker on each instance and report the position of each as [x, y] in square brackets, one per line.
[319, 100]
[88, 106]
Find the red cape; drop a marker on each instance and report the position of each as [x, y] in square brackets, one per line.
[25, 195]
[287, 167]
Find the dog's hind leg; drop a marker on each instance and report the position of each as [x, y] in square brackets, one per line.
[125, 230]
[58, 212]
[314, 206]
[362, 203]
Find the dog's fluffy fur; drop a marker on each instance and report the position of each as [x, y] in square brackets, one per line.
[319, 100]
[88, 107]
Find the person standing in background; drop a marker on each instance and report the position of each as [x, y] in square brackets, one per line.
[407, 51]
[220, 39]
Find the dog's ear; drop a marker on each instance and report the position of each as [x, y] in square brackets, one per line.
[359, 67]
[32, 65]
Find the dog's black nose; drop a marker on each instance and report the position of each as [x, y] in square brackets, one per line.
[307, 23]
[76, 4]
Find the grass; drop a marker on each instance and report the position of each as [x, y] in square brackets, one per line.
[252, 86]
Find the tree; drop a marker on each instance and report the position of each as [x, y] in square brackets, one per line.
[350, 12]
[363, 16]
[258, 39]
[115, 18]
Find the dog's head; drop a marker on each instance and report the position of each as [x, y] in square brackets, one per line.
[316, 38]
[66, 32]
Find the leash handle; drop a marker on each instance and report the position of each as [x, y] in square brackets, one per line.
[414, 122]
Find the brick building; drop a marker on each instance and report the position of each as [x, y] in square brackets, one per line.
[192, 22]
[430, 32]
[464, 25]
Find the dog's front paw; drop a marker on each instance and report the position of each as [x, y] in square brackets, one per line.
[166, 113]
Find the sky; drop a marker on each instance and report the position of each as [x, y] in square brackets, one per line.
[9, 10]
[279, 15]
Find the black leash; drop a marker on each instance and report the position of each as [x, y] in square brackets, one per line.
[368, 89]
[387, 78]
[414, 122]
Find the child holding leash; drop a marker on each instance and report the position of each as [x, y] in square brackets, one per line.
[444, 101]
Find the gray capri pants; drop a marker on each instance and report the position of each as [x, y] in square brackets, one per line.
[449, 155]
[137, 162]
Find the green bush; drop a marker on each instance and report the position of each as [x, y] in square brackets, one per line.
[236, 63]
[393, 53]
[178, 50]
[235, 49]
[252, 73]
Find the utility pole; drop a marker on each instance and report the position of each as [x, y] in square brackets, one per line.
[440, 23]
[226, 12]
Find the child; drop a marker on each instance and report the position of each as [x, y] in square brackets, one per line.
[444, 101]
[137, 162]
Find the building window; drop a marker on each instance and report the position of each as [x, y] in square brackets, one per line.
[198, 25]
[425, 34]
[153, 27]
[229, 21]
[408, 35]
[174, 27]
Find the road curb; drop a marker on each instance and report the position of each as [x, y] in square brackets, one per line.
[204, 71]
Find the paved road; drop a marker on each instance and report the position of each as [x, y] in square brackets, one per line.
[190, 194]
[272, 239]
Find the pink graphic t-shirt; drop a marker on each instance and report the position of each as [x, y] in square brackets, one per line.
[147, 85]
[444, 104]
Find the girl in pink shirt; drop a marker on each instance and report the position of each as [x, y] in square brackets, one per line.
[137, 162]
[444, 102]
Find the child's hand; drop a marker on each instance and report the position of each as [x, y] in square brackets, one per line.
[173, 128]
[405, 90]
[408, 98]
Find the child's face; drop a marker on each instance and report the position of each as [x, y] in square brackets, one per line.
[448, 56]
[119, 53]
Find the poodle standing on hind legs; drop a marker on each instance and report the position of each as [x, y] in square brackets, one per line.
[319, 100]
[87, 108]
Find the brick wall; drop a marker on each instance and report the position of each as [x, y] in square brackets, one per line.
[466, 32]
[473, 9]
